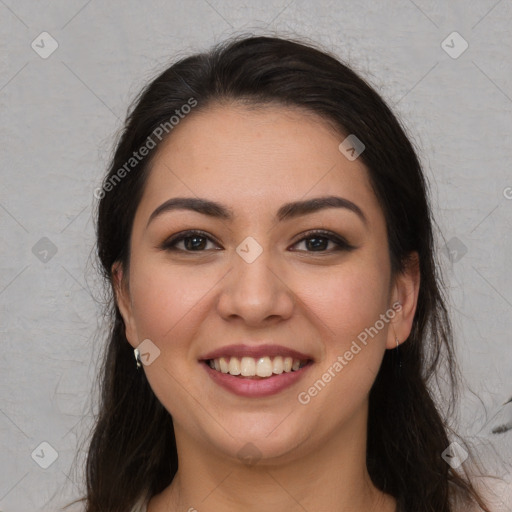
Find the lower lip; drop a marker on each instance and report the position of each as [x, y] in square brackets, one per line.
[246, 386]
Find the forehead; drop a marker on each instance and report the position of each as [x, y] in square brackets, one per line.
[241, 155]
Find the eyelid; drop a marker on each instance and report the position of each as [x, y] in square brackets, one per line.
[340, 242]
[168, 243]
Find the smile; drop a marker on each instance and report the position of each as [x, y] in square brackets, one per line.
[262, 367]
[254, 385]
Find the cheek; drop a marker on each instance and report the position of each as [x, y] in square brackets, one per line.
[169, 306]
[348, 305]
[348, 300]
[166, 300]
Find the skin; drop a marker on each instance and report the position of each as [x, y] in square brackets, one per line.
[314, 300]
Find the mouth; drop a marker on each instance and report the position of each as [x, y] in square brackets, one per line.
[256, 371]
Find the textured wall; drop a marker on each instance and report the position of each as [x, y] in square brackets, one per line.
[61, 110]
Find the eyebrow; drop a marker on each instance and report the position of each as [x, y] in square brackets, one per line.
[285, 212]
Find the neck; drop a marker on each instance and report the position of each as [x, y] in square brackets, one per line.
[330, 476]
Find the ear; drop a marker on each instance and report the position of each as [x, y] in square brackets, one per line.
[404, 298]
[124, 303]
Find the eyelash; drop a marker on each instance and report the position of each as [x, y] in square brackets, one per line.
[341, 244]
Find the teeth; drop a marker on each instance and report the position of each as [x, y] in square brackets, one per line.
[250, 367]
[264, 367]
[277, 366]
[224, 365]
[234, 366]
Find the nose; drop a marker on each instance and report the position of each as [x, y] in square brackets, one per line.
[257, 292]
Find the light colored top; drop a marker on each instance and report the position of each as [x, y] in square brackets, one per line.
[497, 493]
[141, 506]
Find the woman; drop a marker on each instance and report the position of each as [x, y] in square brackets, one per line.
[277, 312]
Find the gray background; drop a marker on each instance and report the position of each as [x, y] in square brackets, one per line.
[59, 118]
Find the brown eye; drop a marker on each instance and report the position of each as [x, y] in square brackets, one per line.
[318, 241]
[193, 241]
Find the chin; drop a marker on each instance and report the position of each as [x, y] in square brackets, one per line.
[263, 442]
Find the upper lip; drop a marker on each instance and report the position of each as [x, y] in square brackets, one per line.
[255, 351]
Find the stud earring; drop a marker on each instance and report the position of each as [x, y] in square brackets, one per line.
[137, 358]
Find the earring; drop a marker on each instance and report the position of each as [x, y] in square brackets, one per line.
[137, 358]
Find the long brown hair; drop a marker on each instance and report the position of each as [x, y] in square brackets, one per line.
[132, 452]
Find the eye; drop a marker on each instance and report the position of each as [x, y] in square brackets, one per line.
[319, 240]
[193, 240]
[197, 241]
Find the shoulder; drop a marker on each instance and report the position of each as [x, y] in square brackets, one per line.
[140, 506]
[497, 493]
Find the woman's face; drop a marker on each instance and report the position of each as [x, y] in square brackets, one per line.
[254, 276]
